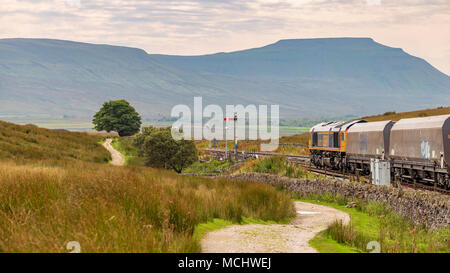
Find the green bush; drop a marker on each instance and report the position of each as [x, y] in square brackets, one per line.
[160, 150]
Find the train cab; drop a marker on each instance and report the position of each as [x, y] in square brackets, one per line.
[327, 143]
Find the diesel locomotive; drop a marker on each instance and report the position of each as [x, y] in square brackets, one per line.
[418, 149]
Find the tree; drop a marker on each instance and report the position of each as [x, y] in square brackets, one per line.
[118, 116]
[160, 150]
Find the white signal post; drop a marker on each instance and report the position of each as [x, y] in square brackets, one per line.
[226, 140]
[235, 139]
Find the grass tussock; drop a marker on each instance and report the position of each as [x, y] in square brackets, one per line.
[30, 143]
[277, 165]
[212, 167]
[121, 209]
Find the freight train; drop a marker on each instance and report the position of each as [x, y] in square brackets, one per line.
[418, 149]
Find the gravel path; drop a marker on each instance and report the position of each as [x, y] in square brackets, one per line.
[117, 158]
[289, 238]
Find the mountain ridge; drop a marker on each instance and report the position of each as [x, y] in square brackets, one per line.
[306, 77]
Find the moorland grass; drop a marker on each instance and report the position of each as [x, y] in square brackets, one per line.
[116, 209]
[212, 167]
[277, 165]
[28, 143]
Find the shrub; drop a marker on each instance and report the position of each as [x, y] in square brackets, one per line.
[389, 113]
[160, 150]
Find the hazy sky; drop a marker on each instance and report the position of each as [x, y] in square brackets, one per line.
[184, 27]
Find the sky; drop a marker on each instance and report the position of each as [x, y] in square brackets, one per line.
[194, 27]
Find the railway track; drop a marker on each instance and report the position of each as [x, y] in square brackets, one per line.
[303, 160]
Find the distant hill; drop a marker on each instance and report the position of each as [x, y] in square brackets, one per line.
[307, 77]
[394, 116]
[50, 77]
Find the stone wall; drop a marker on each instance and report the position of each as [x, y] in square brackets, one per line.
[421, 207]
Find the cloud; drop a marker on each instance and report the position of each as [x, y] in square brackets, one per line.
[207, 26]
[73, 3]
[373, 2]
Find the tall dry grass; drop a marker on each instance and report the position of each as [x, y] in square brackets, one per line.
[277, 165]
[30, 143]
[115, 209]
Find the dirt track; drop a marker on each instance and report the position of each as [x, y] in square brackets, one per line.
[289, 238]
[117, 158]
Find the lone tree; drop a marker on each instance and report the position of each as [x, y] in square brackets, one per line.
[160, 150]
[118, 116]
